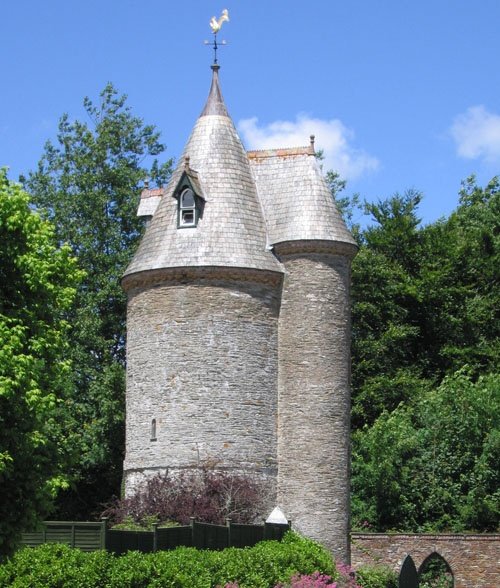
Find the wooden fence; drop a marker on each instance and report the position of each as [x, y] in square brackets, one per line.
[97, 535]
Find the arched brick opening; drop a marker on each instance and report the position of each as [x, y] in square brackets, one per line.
[473, 559]
[436, 571]
[408, 576]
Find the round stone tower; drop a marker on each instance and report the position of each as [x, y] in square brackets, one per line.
[238, 346]
[203, 304]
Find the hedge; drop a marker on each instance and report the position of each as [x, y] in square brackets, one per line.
[262, 566]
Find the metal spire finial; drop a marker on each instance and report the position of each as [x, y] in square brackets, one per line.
[215, 25]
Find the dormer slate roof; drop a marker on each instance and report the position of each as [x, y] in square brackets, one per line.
[252, 201]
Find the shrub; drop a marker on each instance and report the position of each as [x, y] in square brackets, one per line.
[346, 577]
[315, 580]
[262, 566]
[53, 566]
[182, 568]
[208, 495]
[296, 562]
[379, 576]
[269, 562]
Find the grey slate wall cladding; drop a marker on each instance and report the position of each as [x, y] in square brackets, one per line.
[314, 397]
[203, 362]
[239, 329]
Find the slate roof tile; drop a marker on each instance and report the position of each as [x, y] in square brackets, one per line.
[253, 200]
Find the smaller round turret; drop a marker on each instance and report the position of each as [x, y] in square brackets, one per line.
[315, 248]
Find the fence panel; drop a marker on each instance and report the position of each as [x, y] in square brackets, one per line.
[90, 536]
[275, 531]
[59, 534]
[33, 539]
[85, 536]
[123, 541]
[207, 536]
[172, 537]
[145, 541]
[245, 535]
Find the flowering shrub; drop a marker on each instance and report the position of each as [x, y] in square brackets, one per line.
[315, 580]
[345, 578]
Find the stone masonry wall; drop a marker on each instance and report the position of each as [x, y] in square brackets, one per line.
[474, 559]
[202, 361]
[314, 397]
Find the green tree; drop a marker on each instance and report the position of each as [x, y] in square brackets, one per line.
[426, 304]
[89, 184]
[37, 284]
[386, 298]
[426, 300]
[433, 465]
[460, 282]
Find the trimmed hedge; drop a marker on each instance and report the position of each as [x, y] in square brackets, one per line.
[262, 566]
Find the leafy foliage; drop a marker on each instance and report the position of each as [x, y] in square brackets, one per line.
[461, 282]
[425, 299]
[379, 576]
[206, 494]
[88, 184]
[426, 304]
[433, 464]
[37, 286]
[262, 566]
[385, 295]
[435, 573]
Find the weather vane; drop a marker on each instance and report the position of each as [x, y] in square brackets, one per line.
[215, 25]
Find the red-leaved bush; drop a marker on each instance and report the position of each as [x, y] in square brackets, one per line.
[207, 494]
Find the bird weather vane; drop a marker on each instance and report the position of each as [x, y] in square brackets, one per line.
[215, 25]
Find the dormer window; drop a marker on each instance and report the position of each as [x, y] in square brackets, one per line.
[187, 209]
[190, 198]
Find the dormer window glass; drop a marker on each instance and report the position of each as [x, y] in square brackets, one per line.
[187, 209]
[190, 198]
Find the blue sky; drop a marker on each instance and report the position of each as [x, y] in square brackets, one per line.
[400, 94]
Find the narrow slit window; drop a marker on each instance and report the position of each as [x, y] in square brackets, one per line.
[153, 430]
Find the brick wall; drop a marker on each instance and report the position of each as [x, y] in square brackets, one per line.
[473, 559]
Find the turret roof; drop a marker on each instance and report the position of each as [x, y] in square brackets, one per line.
[231, 231]
[298, 205]
[251, 201]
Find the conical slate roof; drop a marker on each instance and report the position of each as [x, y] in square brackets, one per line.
[298, 205]
[231, 231]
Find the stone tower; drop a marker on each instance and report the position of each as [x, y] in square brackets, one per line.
[239, 326]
